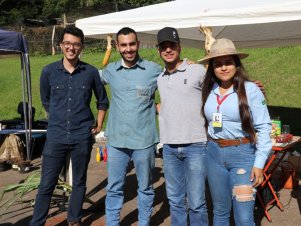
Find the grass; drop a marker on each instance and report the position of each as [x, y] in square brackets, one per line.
[279, 69]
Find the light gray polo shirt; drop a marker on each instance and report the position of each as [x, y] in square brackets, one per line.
[180, 118]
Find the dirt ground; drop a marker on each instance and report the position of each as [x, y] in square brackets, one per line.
[20, 214]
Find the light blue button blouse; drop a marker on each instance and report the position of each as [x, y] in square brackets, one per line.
[132, 116]
[231, 127]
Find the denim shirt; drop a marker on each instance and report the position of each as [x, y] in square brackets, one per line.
[132, 117]
[66, 98]
[232, 127]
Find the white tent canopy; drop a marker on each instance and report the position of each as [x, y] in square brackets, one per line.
[256, 23]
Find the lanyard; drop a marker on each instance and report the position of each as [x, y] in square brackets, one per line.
[219, 102]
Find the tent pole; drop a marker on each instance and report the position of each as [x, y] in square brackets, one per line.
[25, 109]
[30, 116]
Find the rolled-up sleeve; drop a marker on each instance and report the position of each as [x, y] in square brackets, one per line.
[262, 124]
[103, 77]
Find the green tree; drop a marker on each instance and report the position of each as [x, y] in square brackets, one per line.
[139, 3]
[16, 10]
[55, 8]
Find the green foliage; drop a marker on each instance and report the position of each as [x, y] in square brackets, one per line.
[12, 11]
[15, 11]
[279, 69]
[58, 7]
[139, 3]
[21, 190]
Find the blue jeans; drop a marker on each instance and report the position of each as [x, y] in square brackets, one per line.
[185, 173]
[230, 168]
[118, 161]
[54, 158]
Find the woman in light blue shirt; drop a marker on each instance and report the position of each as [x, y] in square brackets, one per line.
[239, 128]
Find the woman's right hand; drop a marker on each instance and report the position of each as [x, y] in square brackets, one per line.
[256, 176]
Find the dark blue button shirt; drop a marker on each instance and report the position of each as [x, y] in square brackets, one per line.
[66, 97]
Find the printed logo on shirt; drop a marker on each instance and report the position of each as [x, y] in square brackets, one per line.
[263, 102]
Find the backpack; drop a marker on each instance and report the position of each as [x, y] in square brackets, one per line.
[3, 152]
[13, 149]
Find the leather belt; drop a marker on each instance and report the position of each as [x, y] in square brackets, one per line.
[227, 143]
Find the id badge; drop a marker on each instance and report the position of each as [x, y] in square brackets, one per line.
[217, 120]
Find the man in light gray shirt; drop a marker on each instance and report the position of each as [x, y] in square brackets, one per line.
[182, 132]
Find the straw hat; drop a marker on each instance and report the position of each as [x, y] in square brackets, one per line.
[222, 47]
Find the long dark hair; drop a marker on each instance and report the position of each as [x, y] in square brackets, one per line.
[239, 86]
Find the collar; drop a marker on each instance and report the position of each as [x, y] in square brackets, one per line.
[60, 65]
[182, 67]
[139, 63]
[215, 90]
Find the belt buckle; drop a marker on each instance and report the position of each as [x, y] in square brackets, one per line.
[240, 140]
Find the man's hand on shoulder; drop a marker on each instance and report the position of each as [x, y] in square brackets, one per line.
[260, 86]
[190, 62]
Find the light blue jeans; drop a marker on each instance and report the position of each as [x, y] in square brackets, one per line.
[185, 173]
[144, 162]
[230, 168]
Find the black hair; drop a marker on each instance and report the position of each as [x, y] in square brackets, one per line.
[73, 31]
[126, 31]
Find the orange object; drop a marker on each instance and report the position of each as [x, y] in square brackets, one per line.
[108, 51]
[270, 168]
[97, 157]
[289, 180]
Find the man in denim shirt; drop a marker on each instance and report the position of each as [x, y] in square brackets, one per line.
[66, 89]
[131, 128]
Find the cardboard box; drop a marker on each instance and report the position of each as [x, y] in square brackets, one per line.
[296, 162]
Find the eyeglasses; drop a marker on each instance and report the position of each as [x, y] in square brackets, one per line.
[75, 45]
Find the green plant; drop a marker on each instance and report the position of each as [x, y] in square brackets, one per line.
[31, 183]
[19, 191]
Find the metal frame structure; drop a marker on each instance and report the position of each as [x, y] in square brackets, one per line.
[12, 42]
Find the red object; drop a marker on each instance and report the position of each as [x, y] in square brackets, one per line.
[269, 169]
[105, 154]
[284, 138]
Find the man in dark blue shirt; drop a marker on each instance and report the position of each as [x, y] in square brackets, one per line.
[66, 89]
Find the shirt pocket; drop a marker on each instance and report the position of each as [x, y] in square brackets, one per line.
[143, 93]
[83, 91]
[58, 92]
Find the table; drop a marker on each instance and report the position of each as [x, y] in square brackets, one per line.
[279, 151]
[21, 131]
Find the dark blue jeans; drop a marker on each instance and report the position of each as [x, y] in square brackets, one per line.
[54, 158]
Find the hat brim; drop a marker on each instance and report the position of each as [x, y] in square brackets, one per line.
[206, 59]
[168, 40]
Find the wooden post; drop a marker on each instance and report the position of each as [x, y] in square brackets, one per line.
[52, 41]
